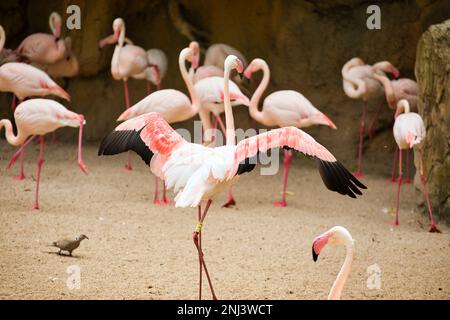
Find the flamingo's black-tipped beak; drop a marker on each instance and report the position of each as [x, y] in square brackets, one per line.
[241, 75]
[314, 255]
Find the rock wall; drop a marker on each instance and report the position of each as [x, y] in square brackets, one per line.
[305, 43]
[433, 76]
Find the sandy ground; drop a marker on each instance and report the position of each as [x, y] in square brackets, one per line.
[254, 251]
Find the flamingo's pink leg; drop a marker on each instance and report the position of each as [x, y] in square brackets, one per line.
[433, 227]
[155, 199]
[222, 126]
[400, 174]
[54, 140]
[394, 164]
[358, 172]
[200, 277]
[81, 164]
[20, 153]
[165, 201]
[408, 179]
[230, 199]
[21, 176]
[287, 163]
[371, 129]
[195, 237]
[38, 177]
[127, 105]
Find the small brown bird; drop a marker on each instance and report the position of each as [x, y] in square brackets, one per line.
[69, 244]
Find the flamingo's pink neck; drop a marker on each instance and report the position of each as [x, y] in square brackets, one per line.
[354, 87]
[388, 90]
[229, 119]
[260, 116]
[12, 139]
[2, 38]
[188, 80]
[338, 285]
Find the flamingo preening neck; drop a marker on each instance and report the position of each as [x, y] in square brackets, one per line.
[229, 120]
[54, 22]
[254, 102]
[184, 54]
[354, 87]
[387, 85]
[2, 38]
[402, 106]
[10, 137]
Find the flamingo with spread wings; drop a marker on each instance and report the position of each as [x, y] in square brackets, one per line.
[197, 172]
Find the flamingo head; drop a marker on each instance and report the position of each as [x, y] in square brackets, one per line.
[117, 26]
[254, 66]
[335, 236]
[233, 62]
[195, 49]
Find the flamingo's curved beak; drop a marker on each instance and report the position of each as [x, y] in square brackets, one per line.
[318, 244]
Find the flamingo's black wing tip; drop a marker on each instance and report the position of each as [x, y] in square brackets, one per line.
[120, 141]
[337, 178]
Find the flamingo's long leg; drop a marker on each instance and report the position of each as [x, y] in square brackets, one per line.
[408, 179]
[371, 129]
[222, 126]
[127, 105]
[230, 199]
[20, 153]
[164, 195]
[148, 87]
[197, 232]
[54, 140]
[286, 165]
[433, 227]
[394, 164]
[400, 174]
[39, 165]
[200, 278]
[155, 199]
[358, 172]
[21, 176]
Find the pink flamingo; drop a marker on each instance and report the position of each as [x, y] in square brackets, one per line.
[283, 108]
[172, 105]
[216, 54]
[197, 172]
[65, 68]
[39, 117]
[358, 83]
[157, 60]
[336, 236]
[409, 130]
[396, 90]
[127, 61]
[44, 48]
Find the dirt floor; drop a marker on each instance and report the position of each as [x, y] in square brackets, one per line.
[254, 251]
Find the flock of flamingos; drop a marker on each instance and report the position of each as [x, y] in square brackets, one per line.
[198, 172]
